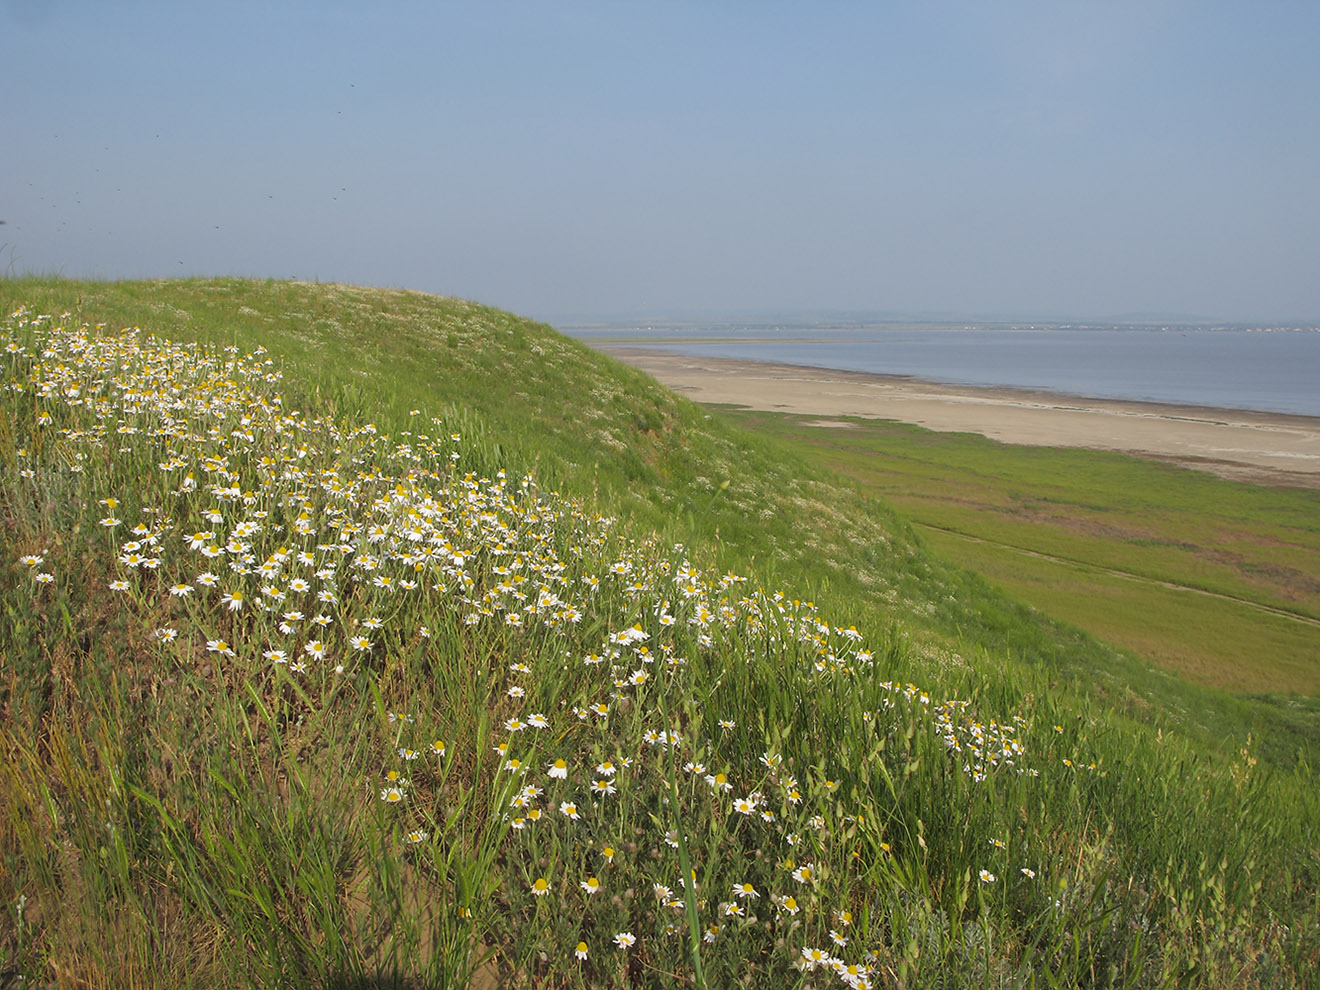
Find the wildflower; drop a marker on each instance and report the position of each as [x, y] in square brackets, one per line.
[838, 939]
[742, 890]
[44, 577]
[276, 656]
[590, 885]
[608, 853]
[408, 754]
[988, 877]
[603, 787]
[803, 874]
[416, 837]
[569, 809]
[360, 643]
[438, 747]
[234, 600]
[540, 887]
[718, 782]
[789, 904]
[219, 646]
[606, 768]
[538, 721]
[1029, 873]
[815, 957]
[392, 794]
[744, 806]
[624, 939]
[120, 585]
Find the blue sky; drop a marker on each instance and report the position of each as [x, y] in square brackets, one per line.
[574, 159]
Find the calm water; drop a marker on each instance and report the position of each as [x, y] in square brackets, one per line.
[1276, 371]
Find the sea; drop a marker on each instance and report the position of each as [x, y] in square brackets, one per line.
[1264, 368]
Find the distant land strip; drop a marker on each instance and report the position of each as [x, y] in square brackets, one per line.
[1242, 445]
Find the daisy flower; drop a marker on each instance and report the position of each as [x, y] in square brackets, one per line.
[744, 806]
[624, 939]
[815, 957]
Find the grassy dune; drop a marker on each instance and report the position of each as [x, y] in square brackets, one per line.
[357, 637]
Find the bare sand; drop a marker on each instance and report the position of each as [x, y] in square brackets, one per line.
[1260, 447]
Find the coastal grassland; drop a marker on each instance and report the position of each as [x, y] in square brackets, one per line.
[355, 637]
[1215, 580]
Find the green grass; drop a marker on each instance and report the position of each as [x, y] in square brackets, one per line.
[196, 794]
[1214, 580]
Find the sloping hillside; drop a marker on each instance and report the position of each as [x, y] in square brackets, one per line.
[392, 637]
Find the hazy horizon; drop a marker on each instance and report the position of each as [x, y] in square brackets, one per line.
[582, 160]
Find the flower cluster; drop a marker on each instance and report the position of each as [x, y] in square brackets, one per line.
[305, 547]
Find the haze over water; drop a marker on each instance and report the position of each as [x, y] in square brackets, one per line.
[1274, 370]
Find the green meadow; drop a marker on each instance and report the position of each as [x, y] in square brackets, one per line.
[1216, 581]
[362, 638]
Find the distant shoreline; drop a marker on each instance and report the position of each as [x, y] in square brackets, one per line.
[1240, 444]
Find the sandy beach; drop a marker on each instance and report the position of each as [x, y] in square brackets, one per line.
[1265, 448]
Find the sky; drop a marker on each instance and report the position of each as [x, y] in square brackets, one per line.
[575, 160]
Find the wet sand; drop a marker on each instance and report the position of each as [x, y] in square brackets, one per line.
[1260, 447]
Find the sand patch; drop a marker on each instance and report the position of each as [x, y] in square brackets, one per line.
[1266, 448]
